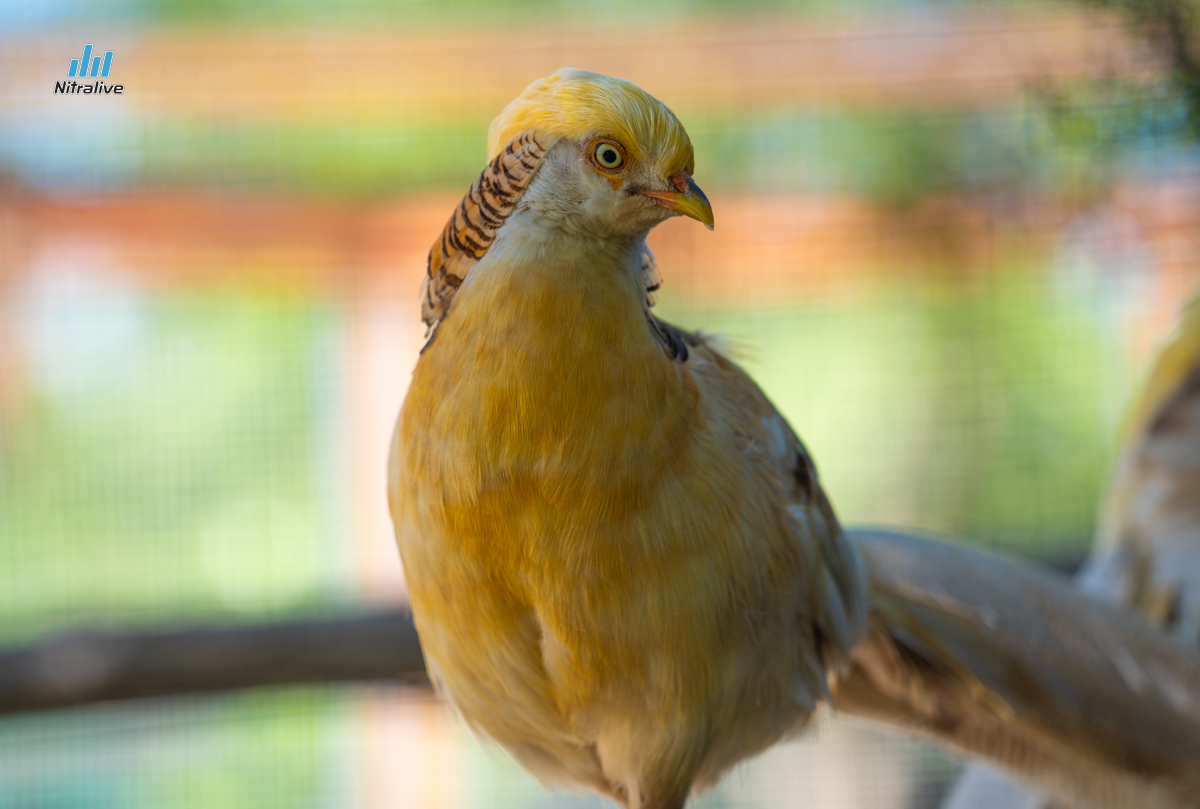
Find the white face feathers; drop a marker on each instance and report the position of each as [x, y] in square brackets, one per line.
[572, 193]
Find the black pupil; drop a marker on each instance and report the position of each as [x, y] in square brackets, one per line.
[608, 156]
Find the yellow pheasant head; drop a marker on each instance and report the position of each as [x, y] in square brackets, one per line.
[624, 148]
[579, 153]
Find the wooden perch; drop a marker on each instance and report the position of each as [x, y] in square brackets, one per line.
[95, 666]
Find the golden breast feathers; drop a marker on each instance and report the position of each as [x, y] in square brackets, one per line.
[621, 562]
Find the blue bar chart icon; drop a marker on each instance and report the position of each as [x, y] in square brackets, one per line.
[83, 65]
[90, 65]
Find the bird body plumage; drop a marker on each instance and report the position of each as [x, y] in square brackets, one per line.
[621, 562]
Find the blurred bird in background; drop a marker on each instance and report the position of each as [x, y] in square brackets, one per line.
[1147, 553]
[621, 562]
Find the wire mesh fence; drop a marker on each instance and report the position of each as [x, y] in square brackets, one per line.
[208, 316]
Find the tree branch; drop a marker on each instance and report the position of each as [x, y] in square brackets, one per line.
[89, 666]
[95, 666]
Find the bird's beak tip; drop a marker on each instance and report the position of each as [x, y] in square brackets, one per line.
[690, 202]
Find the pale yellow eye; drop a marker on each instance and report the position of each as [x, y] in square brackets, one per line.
[608, 156]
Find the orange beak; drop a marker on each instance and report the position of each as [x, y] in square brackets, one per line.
[689, 200]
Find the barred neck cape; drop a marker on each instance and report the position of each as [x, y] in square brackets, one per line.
[472, 227]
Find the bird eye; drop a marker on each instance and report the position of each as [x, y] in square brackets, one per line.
[608, 155]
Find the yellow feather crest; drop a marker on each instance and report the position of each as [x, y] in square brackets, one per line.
[579, 104]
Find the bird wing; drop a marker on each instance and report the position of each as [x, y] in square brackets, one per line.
[835, 579]
[1147, 554]
[1004, 661]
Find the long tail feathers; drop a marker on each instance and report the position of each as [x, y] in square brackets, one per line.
[1005, 662]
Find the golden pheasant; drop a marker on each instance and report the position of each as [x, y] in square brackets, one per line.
[620, 559]
[621, 563]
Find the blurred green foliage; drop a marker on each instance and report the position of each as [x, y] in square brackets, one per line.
[198, 753]
[194, 476]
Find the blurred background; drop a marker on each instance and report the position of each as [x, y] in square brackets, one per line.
[949, 235]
